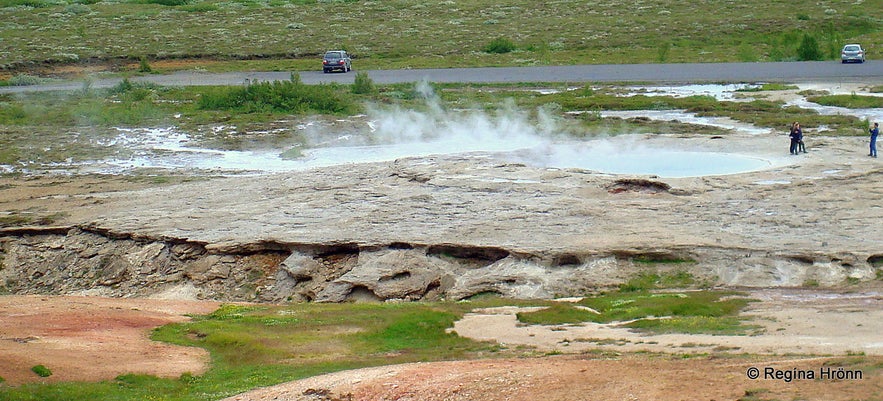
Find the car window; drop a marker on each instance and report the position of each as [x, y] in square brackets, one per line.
[851, 48]
[332, 55]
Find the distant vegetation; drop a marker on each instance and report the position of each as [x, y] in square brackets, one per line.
[292, 34]
[276, 97]
[849, 101]
[500, 46]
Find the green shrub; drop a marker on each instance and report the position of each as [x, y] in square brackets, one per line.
[23, 80]
[277, 96]
[363, 84]
[25, 3]
[809, 49]
[77, 9]
[500, 46]
[41, 371]
[144, 65]
[559, 313]
[200, 8]
[167, 2]
[124, 86]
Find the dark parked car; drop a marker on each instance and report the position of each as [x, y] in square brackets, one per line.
[852, 52]
[336, 60]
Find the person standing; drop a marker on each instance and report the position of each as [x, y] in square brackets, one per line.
[874, 132]
[801, 148]
[796, 136]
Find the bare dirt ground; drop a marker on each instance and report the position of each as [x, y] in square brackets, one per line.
[581, 377]
[93, 338]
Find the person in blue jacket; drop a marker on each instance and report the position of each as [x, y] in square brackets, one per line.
[796, 136]
[874, 132]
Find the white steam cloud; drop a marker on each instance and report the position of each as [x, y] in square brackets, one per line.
[459, 131]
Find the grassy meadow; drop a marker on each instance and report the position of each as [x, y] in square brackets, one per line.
[290, 34]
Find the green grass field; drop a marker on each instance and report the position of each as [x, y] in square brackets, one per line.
[290, 34]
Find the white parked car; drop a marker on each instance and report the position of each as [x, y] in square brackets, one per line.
[852, 52]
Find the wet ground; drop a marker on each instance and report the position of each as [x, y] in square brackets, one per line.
[386, 135]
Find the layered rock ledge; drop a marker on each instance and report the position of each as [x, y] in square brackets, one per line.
[452, 227]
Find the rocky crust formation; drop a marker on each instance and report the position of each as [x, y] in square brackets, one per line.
[86, 261]
[454, 227]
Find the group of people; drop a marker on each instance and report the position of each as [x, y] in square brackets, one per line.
[798, 147]
[796, 136]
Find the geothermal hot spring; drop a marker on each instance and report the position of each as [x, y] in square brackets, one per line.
[388, 134]
[165, 148]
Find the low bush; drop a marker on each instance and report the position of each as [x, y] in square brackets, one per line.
[144, 65]
[809, 49]
[41, 371]
[363, 84]
[276, 97]
[199, 8]
[25, 3]
[560, 313]
[500, 46]
[23, 80]
[167, 2]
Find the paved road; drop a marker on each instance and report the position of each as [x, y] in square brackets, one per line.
[826, 71]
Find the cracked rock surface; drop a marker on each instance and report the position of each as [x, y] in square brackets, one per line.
[455, 226]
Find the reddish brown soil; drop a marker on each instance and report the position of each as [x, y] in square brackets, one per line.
[92, 339]
[566, 378]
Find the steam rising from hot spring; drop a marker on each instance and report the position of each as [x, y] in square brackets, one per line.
[460, 131]
[531, 137]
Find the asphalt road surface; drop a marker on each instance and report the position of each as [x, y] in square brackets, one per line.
[804, 71]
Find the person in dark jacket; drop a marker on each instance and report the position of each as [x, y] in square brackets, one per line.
[796, 136]
[801, 147]
[874, 132]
